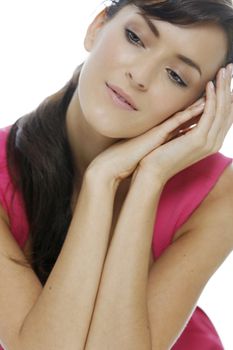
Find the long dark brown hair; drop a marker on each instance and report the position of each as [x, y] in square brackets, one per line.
[38, 152]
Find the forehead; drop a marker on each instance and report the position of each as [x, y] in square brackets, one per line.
[206, 43]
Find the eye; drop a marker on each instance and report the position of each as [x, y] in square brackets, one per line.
[176, 78]
[133, 38]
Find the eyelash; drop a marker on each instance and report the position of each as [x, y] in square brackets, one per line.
[129, 33]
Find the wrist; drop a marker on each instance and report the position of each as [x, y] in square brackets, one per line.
[149, 183]
[97, 179]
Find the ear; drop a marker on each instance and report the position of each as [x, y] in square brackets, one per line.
[93, 29]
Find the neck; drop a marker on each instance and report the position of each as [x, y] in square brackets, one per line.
[86, 144]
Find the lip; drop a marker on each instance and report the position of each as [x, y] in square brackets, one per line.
[119, 92]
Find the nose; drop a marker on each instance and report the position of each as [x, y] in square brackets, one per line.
[144, 71]
[135, 82]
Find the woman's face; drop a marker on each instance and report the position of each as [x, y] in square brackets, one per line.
[163, 72]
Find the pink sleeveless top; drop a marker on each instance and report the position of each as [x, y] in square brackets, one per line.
[180, 197]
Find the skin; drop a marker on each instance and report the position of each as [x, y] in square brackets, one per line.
[92, 116]
[111, 58]
[78, 315]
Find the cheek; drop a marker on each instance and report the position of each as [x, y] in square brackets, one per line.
[171, 99]
[105, 53]
[163, 104]
[112, 52]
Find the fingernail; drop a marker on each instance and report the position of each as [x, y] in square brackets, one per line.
[211, 85]
[223, 73]
[198, 102]
[230, 68]
[201, 105]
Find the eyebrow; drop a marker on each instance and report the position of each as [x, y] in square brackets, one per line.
[156, 33]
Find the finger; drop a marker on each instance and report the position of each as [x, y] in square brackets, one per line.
[199, 101]
[223, 96]
[228, 87]
[185, 127]
[224, 103]
[229, 100]
[220, 101]
[228, 119]
[182, 120]
[190, 123]
[220, 125]
[150, 140]
[207, 117]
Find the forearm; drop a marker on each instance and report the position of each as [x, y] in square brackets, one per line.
[120, 319]
[61, 316]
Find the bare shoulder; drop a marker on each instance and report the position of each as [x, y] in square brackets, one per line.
[216, 208]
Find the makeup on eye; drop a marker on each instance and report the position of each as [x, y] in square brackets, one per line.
[176, 78]
[131, 36]
[134, 39]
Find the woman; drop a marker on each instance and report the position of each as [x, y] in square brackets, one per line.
[116, 209]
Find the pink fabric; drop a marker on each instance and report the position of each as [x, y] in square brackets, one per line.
[11, 200]
[180, 197]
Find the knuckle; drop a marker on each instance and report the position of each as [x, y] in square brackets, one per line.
[180, 117]
[218, 144]
[209, 145]
[200, 141]
[216, 148]
[162, 136]
[210, 149]
[144, 163]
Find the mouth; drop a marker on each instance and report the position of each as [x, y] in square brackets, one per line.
[121, 98]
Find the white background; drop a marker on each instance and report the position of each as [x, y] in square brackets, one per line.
[41, 44]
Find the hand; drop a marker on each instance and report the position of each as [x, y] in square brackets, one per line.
[189, 145]
[121, 159]
[153, 152]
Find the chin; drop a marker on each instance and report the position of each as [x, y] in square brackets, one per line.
[104, 125]
[109, 122]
